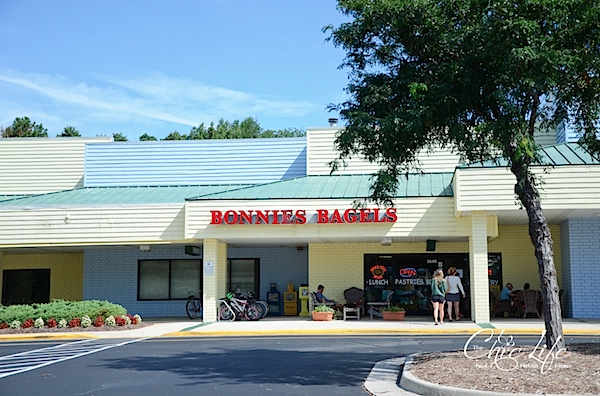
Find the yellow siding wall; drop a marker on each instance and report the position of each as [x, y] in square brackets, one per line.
[340, 266]
[519, 264]
[66, 271]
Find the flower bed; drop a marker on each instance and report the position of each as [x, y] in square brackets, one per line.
[66, 316]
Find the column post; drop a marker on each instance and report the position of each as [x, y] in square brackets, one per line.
[214, 277]
[478, 259]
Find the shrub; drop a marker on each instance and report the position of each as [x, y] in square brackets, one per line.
[60, 309]
[27, 324]
[51, 322]
[99, 321]
[323, 308]
[138, 319]
[62, 323]
[15, 324]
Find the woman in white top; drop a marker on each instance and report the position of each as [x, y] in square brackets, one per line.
[454, 292]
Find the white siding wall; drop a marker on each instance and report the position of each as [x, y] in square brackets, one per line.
[321, 151]
[418, 218]
[41, 165]
[100, 225]
[563, 187]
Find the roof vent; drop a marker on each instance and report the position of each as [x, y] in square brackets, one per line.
[333, 122]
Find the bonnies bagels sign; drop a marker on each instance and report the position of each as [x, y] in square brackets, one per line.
[321, 216]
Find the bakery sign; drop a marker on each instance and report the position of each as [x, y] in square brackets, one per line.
[320, 216]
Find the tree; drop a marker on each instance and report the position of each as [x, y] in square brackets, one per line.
[119, 137]
[69, 131]
[23, 127]
[474, 76]
[174, 136]
[145, 138]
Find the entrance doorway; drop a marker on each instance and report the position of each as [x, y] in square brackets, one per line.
[244, 273]
[25, 286]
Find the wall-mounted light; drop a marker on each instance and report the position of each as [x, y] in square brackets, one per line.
[192, 250]
[144, 248]
[386, 241]
[430, 245]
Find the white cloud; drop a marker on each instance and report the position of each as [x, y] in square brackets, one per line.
[155, 97]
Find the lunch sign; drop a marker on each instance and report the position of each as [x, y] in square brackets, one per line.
[301, 216]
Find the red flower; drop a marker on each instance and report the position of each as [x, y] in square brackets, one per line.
[51, 322]
[75, 322]
[27, 324]
[99, 322]
[4, 325]
[120, 321]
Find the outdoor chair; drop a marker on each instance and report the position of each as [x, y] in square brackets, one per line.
[529, 299]
[313, 302]
[499, 306]
[354, 302]
[375, 307]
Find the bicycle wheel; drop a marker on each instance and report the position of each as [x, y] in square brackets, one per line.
[265, 306]
[190, 308]
[261, 309]
[225, 313]
[251, 313]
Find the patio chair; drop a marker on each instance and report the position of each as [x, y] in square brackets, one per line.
[529, 300]
[499, 306]
[313, 302]
[354, 302]
[377, 306]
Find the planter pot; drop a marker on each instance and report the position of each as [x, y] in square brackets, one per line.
[388, 315]
[322, 315]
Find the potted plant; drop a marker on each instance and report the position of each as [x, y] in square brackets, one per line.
[393, 313]
[322, 312]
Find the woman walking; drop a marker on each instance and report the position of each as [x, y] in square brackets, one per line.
[455, 290]
[439, 286]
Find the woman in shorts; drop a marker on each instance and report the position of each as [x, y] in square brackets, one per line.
[455, 289]
[439, 287]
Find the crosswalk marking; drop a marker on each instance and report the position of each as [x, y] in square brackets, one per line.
[31, 360]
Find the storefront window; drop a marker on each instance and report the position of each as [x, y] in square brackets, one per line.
[408, 276]
[168, 279]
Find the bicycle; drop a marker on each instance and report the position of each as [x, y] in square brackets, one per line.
[262, 305]
[194, 305]
[232, 308]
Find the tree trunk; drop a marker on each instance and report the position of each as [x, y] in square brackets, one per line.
[539, 232]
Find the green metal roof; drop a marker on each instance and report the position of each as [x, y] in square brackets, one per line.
[116, 195]
[337, 187]
[556, 155]
[7, 197]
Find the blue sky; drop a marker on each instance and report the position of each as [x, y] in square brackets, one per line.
[155, 67]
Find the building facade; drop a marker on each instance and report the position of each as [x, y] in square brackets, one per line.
[143, 224]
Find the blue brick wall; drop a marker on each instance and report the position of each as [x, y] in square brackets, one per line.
[112, 274]
[580, 254]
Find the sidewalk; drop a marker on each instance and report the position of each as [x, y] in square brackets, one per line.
[293, 325]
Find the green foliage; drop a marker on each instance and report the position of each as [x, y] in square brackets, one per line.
[69, 131]
[145, 138]
[323, 308]
[60, 309]
[119, 137]
[394, 308]
[249, 128]
[23, 127]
